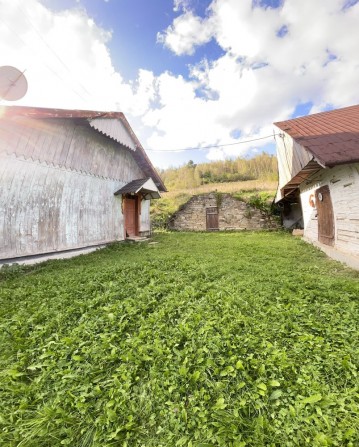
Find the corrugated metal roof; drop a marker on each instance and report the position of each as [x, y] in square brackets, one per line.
[115, 129]
[332, 137]
[114, 125]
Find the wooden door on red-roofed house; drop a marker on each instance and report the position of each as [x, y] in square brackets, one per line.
[325, 214]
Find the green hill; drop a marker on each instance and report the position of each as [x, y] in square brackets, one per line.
[191, 175]
[252, 179]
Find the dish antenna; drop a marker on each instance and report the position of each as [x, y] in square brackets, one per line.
[13, 84]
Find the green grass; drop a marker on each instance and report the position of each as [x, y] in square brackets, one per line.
[202, 340]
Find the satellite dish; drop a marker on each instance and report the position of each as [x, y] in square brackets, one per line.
[13, 84]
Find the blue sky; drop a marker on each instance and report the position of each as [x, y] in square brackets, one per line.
[135, 24]
[187, 73]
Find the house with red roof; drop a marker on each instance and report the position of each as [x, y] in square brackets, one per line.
[71, 179]
[318, 163]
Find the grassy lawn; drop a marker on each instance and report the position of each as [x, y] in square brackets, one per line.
[202, 340]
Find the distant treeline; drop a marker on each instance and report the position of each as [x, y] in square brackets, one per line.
[191, 175]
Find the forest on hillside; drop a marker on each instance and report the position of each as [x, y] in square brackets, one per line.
[192, 175]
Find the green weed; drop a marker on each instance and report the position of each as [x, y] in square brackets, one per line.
[227, 339]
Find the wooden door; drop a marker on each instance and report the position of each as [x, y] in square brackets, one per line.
[212, 218]
[325, 215]
[131, 216]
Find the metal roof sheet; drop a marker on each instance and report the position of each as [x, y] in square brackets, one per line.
[332, 137]
[114, 125]
[115, 129]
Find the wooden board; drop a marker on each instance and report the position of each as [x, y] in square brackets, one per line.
[131, 216]
[212, 218]
[325, 215]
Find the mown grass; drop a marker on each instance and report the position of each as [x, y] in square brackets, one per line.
[226, 339]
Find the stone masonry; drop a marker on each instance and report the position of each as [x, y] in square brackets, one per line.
[233, 214]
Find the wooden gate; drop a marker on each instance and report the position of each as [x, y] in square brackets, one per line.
[212, 218]
[131, 216]
[325, 215]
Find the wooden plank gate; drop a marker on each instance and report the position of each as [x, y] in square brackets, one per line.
[212, 218]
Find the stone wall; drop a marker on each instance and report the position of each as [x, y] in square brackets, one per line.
[232, 214]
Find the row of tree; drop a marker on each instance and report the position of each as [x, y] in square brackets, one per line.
[191, 175]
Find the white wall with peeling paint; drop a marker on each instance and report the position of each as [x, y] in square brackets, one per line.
[343, 182]
[58, 179]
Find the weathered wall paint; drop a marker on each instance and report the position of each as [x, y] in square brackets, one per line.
[58, 180]
[343, 182]
[292, 157]
[145, 224]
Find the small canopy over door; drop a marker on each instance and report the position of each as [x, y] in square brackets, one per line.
[132, 194]
[145, 187]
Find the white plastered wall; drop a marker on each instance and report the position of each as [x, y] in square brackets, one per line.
[343, 182]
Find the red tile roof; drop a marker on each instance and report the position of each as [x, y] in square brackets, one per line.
[332, 137]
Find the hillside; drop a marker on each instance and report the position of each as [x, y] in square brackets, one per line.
[255, 178]
[191, 175]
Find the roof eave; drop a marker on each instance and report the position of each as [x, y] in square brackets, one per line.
[309, 169]
[45, 113]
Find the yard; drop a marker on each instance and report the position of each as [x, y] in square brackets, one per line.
[202, 340]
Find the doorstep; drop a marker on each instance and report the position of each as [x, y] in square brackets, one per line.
[137, 239]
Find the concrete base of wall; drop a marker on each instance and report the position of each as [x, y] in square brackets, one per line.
[345, 258]
[28, 260]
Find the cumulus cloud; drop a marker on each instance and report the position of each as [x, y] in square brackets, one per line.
[186, 32]
[66, 60]
[183, 5]
[273, 59]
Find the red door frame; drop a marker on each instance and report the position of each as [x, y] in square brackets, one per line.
[136, 210]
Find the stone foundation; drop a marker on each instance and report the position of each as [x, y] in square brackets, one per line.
[232, 214]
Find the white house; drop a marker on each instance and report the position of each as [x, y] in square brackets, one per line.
[70, 179]
[318, 161]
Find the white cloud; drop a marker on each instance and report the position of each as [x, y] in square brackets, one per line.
[264, 74]
[183, 5]
[260, 78]
[186, 32]
[67, 61]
